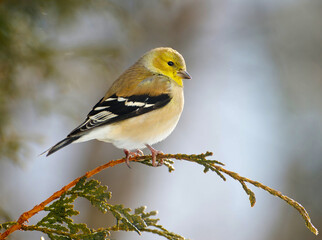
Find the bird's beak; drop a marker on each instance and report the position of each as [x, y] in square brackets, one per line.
[183, 74]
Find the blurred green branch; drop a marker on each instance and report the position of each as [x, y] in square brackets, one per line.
[58, 223]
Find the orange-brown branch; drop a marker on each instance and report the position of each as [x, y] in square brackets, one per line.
[27, 215]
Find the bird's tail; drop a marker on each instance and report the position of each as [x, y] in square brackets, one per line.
[59, 145]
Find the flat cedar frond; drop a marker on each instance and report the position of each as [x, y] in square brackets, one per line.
[59, 225]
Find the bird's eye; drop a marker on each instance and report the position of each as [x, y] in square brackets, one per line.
[170, 63]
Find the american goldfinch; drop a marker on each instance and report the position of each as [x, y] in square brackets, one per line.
[141, 108]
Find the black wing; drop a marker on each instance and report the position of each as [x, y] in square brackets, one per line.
[116, 108]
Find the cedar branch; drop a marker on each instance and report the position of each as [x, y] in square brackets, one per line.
[27, 215]
[200, 159]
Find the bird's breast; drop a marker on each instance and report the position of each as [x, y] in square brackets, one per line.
[148, 128]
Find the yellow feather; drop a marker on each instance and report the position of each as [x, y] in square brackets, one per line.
[150, 74]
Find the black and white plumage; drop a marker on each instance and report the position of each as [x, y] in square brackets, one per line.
[141, 108]
[112, 110]
[116, 108]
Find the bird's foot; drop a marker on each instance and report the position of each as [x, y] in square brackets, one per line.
[129, 154]
[138, 152]
[154, 153]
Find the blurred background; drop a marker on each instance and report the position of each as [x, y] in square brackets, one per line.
[255, 100]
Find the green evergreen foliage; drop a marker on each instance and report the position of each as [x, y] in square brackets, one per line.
[58, 224]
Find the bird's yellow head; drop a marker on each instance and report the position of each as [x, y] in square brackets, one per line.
[167, 62]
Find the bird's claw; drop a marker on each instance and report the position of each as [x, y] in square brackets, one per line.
[154, 153]
[139, 152]
[129, 154]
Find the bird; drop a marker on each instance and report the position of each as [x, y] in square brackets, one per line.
[142, 107]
